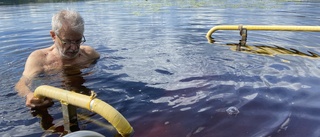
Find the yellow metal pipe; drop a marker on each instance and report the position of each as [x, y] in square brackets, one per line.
[93, 104]
[263, 28]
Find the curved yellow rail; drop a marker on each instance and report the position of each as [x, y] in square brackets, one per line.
[262, 27]
[87, 102]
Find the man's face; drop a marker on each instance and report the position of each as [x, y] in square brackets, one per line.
[69, 43]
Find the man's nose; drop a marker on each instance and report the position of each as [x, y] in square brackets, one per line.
[74, 46]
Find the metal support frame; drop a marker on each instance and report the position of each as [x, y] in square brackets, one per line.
[243, 34]
[70, 119]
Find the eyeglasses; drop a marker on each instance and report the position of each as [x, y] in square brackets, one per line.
[69, 42]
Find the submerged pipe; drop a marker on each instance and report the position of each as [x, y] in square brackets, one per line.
[262, 27]
[93, 104]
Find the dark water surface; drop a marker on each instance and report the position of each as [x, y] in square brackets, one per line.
[159, 71]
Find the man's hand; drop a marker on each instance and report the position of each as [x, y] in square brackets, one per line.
[36, 103]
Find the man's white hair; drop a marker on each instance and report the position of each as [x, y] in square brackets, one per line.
[67, 17]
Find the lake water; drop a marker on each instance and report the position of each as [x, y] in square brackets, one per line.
[158, 69]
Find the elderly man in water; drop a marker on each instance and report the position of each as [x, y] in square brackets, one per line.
[67, 50]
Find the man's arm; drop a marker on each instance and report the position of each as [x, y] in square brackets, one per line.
[33, 67]
[23, 86]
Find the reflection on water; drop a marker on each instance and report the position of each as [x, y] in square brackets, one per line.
[264, 49]
[272, 50]
[47, 124]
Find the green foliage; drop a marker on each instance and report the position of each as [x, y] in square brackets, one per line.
[16, 2]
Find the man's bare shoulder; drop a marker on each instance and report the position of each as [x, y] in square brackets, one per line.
[38, 57]
[35, 62]
[39, 53]
[90, 52]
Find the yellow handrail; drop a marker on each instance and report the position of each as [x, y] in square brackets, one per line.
[262, 27]
[93, 104]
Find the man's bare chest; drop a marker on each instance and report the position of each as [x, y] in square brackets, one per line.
[58, 65]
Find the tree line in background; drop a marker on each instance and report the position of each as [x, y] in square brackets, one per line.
[16, 2]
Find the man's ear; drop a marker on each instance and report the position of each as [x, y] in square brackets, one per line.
[52, 34]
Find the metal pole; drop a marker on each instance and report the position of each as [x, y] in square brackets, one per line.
[70, 119]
